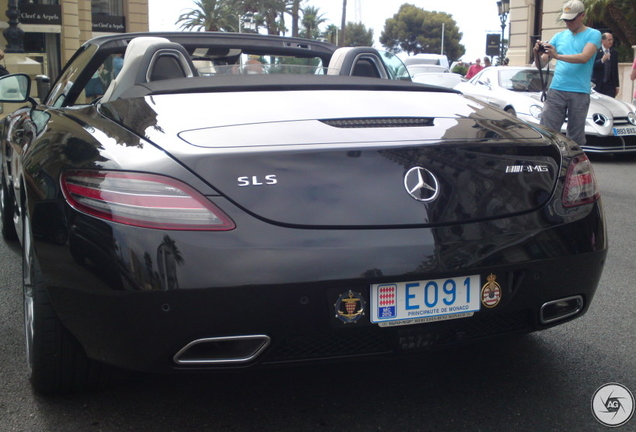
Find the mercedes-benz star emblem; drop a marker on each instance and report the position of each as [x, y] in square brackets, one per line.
[421, 184]
[599, 119]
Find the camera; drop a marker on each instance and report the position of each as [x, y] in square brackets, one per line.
[541, 48]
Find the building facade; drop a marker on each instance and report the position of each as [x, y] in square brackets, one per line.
[52, 30]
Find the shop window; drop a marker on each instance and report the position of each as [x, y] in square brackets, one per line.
[38, 2]
[107, 7]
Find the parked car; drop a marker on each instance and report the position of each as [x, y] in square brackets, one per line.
[433, 75]
[449, 80]
[427, 58]
[199, 216]
[610, 125]
[415, 69]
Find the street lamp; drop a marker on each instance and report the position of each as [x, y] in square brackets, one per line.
[13, 34]
[503, 7]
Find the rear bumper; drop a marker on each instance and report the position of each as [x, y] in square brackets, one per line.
[146, 330]
[136, 298]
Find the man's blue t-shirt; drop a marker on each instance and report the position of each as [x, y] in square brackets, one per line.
[574, 77]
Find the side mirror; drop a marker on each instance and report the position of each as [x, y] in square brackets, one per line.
[15, 88]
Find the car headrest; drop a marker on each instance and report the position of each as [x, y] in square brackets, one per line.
[150, 59]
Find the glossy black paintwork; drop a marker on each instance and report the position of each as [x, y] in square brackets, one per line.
[126, 258]
[358, 183]
[338, 218]
[133, 297]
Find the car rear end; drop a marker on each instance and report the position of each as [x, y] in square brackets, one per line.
[338, 222]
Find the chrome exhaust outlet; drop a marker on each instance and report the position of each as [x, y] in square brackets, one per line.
[558, 310]
[222, 350]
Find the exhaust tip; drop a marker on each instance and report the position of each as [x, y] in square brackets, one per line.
[222, 350]
[561, 309]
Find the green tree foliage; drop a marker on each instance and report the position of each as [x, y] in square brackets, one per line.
[224, 15]
[461, 69]
[619, 17]
[332, 33]
[358, 35]
[210, 15]
[312, 18]
[272, 12]
[415, 31]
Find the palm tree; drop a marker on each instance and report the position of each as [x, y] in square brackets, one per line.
[312, 18]
[210, 15]
[618, 15]
[331, 34]
[267, 12]
[343, 24]
[295, 14]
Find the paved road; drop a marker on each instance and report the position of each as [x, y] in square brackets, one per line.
[540, 382]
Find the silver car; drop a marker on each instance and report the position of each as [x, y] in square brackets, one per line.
[610, 125]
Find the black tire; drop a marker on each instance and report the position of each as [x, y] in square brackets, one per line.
[7, 211]
[57, 362]
[625, 156]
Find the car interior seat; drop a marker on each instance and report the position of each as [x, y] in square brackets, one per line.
[150, 59]
[167, 61]
[535, 85]
[365, 68]
[356, 61]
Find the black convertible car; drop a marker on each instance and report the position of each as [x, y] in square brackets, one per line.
[216, 201]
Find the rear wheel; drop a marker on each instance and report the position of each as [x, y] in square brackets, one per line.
[6, 212]
[57, 362]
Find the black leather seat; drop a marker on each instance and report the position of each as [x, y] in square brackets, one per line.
[364, 68]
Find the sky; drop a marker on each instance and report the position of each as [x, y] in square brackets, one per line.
[475, 18]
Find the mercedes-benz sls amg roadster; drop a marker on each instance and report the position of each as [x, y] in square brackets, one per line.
[205, 201]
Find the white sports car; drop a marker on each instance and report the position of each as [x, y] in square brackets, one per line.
[610, 126]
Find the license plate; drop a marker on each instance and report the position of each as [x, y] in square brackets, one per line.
[403, 303]
[621, 131]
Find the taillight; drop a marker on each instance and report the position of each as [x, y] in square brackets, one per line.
[580, 184]
[144, 200]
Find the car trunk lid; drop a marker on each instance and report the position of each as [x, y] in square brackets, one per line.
[439, 159]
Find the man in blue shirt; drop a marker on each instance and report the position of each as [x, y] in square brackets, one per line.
[575, 52]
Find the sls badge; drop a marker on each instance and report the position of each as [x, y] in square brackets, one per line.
[491, 292]
[350, 307]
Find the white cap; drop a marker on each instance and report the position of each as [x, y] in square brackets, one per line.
[571, 9]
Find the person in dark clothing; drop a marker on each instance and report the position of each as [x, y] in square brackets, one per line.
[3, 70]
[605, 73]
